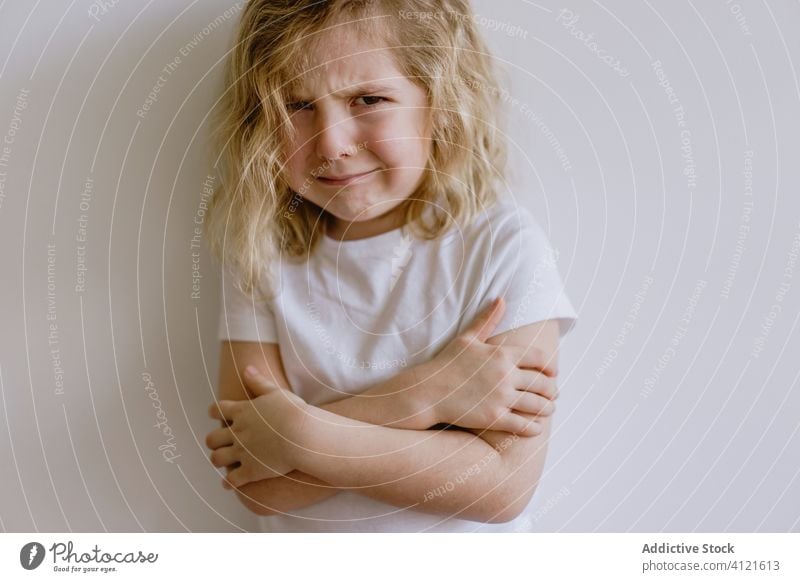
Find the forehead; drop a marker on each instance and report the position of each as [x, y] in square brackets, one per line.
[340, 58]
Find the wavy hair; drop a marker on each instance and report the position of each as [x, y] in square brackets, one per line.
[254, 216]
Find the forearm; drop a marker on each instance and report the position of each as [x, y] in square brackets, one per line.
[284, 494]
[398, 402]
[449, 473]
[394, 402]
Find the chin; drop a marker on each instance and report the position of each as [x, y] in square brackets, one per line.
[358, 211]
[354, 217]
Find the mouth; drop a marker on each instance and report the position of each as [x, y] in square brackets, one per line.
[343, 180]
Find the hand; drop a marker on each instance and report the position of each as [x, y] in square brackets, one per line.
[485, 386]
[262, 434]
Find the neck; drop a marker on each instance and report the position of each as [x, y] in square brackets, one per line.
[343, 231]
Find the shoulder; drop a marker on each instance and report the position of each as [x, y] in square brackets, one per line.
[504, 219]
[518, 262]
[506, 231]
[502, 237]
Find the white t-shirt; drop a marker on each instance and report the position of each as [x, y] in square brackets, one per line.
[359, 310]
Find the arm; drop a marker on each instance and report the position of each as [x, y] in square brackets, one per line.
[476, 386]
[295, 489]
[391, 403]
[486, 476]
[473, 388]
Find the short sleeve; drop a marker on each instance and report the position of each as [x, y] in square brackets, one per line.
[523, 269]
[243, 319]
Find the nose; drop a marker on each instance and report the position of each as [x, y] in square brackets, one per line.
[334, 136]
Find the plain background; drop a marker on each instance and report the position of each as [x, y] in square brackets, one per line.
[679, 408]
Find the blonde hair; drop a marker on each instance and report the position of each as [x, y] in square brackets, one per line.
[254, 216]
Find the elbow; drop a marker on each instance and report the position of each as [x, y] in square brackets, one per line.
[503, 516]
[254, 501]
[508, 504]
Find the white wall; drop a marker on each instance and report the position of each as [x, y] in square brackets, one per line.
[687, 422]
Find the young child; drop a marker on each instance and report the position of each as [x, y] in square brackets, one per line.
[365, 239]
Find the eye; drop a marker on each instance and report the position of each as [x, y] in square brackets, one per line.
[371, 100]
[298, 105]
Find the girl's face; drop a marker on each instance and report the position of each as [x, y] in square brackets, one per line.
[362, 137]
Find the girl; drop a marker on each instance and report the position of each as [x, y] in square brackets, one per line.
[376, 281]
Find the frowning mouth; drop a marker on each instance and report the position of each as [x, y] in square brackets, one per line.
[343, 180]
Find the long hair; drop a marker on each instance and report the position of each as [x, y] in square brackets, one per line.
[254, 217]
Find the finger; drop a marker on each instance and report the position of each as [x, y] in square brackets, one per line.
[483, 325]
[519, 424]
[533, 404]
[257, 382]
[228, 470]
[228, 409]
[222, 410]
[537, 383]
[537, 359]
[238, 477]
[213, 412]
[223, 456]
[219, 438]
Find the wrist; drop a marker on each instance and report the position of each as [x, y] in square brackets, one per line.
[309, 432]
[425, 397]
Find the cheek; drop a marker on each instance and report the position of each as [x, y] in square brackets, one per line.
[400, 141]
[418, 147]
[295, 168]
[409, 153]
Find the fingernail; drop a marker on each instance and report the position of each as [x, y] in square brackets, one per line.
[251, 370]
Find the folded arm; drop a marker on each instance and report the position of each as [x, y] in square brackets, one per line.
[486, 476]
[449, 473]
[393, 403]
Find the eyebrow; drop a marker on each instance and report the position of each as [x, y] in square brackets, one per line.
[368, 88]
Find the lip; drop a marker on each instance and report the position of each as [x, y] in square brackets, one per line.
[343, 180]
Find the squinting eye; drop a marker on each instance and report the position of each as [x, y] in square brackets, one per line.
[370, 100]
[298, 105]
